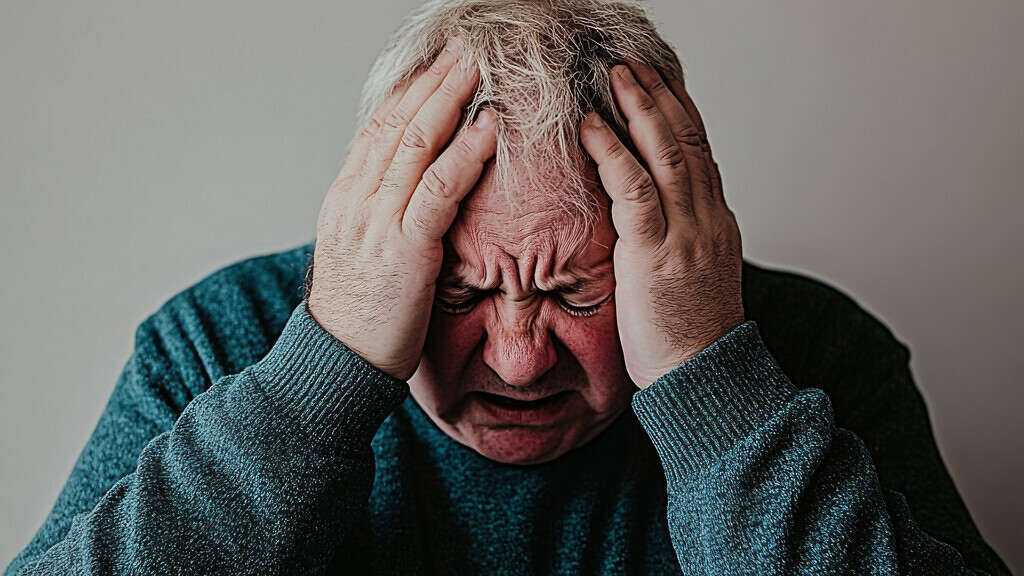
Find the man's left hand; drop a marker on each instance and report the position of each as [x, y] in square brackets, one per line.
[678, 257]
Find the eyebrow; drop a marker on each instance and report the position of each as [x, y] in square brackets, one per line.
[575, 286]
[455, 283]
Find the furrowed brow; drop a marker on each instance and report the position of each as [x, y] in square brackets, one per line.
[453, 283]
[574, 286]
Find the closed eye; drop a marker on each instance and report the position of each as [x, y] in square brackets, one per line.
[458, 305]
[464, 303]
[579, 311]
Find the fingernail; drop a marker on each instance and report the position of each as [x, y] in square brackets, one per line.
[455, 45]
[485, 119]
[596, 121]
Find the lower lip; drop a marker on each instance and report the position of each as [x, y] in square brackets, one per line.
[526, 413]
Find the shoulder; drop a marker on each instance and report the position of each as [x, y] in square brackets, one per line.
[223, 323]
[260, 287]
[820, 335]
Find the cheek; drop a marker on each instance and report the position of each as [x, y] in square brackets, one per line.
[594, 342]
[451, 340]
[451, 335]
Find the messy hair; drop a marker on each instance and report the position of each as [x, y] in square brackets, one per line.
[544, 64]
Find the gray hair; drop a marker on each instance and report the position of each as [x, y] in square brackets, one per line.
[544, 64]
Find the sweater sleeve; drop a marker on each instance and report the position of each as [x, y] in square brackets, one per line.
[761, 481]
[264, 472]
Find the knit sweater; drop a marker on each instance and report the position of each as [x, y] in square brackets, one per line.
[242, 438]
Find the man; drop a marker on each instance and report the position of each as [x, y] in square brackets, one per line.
[529, 226]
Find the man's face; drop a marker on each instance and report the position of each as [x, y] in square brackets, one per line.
[522, 361]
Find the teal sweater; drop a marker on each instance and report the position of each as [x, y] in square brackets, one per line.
[243, 439]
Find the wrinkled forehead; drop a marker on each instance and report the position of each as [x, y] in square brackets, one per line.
[531, 218]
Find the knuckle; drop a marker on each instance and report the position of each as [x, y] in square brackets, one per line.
[465, 147]
[415, 137]
[435, 184]
[387, 185]
[614, 150]
[421, 222]
[639, 187]
[367, 132]
[688, 136]
[729, 222]
[670, 155]
[647, 107]
[449, 89]
[369, 170]
[721, 236]
[396, 119]
[372, 126]
[659, 87]
[727, 211]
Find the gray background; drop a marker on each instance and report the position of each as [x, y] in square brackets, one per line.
[876, 145]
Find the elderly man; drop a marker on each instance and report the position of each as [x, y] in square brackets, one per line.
[528, 227]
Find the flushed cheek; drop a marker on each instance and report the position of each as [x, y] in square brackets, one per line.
[450, 343]
[594, 342]
[450, 334]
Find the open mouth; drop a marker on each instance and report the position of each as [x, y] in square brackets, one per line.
[524, 411]
[513, 403]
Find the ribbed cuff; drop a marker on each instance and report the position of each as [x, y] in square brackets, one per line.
[703, 407]
[318, 382]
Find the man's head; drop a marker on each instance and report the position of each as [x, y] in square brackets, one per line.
[522, 361]
[543, 64]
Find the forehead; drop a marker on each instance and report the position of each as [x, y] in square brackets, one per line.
[537, 221]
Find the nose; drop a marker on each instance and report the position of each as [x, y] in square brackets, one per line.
[518, 347]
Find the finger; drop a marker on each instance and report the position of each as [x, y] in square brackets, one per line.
[684, 97]
[636, 208]
[435, 201]
[686, 132]
[360, 145]
[425, 136]
[657, 144]
[382, 150]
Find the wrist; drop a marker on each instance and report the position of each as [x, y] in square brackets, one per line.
[681, 352]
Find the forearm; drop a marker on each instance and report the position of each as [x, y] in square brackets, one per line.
[262, 473]
[761, 481]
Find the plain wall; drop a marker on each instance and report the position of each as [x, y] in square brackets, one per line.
[875, 145]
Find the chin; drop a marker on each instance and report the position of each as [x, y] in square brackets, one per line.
[523, 445]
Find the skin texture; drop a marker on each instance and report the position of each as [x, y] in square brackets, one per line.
[378, 249]
[521, 365]
[525, 310]
[679, 256]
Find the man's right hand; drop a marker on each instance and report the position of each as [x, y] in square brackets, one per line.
[378, 245]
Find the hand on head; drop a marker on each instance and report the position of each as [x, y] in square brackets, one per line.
[378, 249]
[678, 257]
